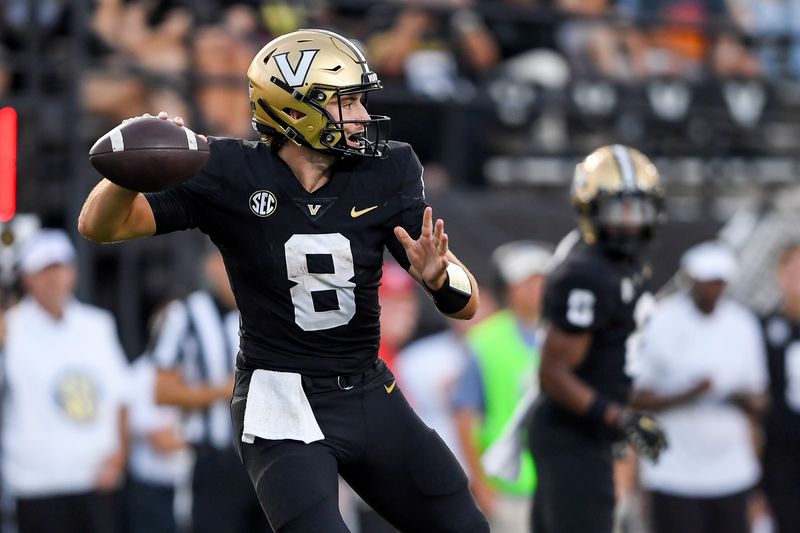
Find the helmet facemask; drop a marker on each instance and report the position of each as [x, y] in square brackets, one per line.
[625, 222]
[373, 139]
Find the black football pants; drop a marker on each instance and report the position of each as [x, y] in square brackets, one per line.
[374, 440]
[575, 480]
[89, 512]
[781, 483]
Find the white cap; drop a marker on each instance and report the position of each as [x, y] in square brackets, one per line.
[45, 248]
[519, 260]
[710, 261]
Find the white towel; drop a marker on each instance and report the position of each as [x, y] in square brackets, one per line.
[277, 409]
[502, 459]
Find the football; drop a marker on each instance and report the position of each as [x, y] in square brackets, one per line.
[148, 154]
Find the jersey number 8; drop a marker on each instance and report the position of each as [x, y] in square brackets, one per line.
[298, 250]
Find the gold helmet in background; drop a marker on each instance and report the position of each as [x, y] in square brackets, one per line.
[619, 200]
[295, 76]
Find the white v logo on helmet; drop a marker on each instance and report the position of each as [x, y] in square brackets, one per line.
[295, 77]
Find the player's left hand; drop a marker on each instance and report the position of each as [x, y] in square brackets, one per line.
[643, 432]
[428, 254]
[111, 471]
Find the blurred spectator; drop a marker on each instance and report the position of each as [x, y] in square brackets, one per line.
[775, 27]
[505, 355]
[195, 354]
[158, 458]
[593, 45]
[680, 38]
[428, 371]
[702, 368]
[782, 420]
[144, 63]
[519, 34]
[432, 48]
[399, 302]
[64, 437]
[222, 94]
[221, 54]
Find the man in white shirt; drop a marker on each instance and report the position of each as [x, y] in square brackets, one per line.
[702, 368]
[502, 362]
[160, 461]
[64, 419]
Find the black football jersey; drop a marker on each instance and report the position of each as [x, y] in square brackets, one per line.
[782, 423]
[304, 267]
[591, 291]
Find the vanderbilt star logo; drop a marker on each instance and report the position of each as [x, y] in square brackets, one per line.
[357, 213]
[390, 388]
[313, 208]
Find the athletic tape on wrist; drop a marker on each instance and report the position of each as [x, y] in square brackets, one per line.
[455, 292]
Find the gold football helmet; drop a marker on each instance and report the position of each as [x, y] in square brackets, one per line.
[618, 197]
[295, 76]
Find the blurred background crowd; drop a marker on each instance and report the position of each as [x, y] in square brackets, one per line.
[499, 98]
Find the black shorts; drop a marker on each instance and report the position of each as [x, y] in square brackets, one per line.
[374, 440]
[726, 514]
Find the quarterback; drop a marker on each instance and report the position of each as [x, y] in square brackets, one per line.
[302, 219]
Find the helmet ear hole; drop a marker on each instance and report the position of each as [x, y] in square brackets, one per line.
[294, 113]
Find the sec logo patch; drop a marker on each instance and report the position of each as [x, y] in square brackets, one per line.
[263, 203]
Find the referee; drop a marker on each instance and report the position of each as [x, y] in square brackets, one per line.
[195, 353]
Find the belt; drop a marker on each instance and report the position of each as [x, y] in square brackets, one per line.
[344, 382]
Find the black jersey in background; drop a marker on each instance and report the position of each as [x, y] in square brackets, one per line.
[596, 292]
[781, 479]
[782, 421]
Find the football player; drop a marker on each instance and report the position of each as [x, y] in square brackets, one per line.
[782, 420]
[589, 310]
[302, 220]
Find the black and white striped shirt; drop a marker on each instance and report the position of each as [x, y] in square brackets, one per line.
[201, 341]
